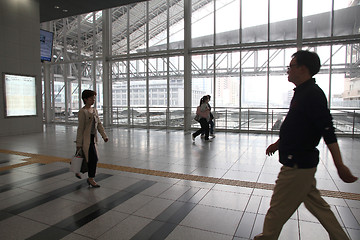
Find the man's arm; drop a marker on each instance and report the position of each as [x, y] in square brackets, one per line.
[343, 171]
[272, 148]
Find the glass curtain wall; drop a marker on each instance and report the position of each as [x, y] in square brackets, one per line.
[239, 52]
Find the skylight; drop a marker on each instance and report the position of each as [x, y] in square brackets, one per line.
[89, 16]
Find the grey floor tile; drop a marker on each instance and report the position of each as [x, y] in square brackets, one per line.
[348, 217]
[126, 229]
[242, 175]
[290, 230]
[102, 224]
[356, 213]
[134, 204]
[153, 208]
[174, 192]
[235, 189]
[354, 234]
[258, 225]
[10, 228]
[54, 211]
[74, 236]
[253, 204]
[219, 220]
[182, 232]
[246, 225]
[18, 198]
[228, 200]
[311, 230]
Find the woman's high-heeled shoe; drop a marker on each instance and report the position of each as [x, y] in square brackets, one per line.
[92, 184]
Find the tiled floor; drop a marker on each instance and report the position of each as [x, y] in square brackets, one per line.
[158, 184]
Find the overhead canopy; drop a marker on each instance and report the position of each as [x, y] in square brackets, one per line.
[68, 8]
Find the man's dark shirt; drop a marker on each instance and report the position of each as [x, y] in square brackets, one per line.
[307, 121]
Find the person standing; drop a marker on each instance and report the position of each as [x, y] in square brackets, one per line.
[211, 122]
[86, 138]
[308, 120]
[204, 112]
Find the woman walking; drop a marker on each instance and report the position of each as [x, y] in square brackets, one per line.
[86, 138]
[204, 112]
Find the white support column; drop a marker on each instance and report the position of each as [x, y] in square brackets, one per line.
[299, 25]
[214, 66]
[187, 65]
[130, 119]
[94, 63]
[168, 95]
[240, 66]
[267, 73]
[106, 43]
[79, 68]
[147, 67]
[47, 93]
[65, 74]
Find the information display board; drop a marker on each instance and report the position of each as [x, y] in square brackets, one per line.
[20, 95]
[46, 45]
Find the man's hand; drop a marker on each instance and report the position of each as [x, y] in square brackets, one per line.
[272, 148]
[343, 170]
[345, 174]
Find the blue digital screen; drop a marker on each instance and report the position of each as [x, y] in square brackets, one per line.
[46, 44]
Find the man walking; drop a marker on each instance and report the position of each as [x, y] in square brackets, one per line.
[307, 121]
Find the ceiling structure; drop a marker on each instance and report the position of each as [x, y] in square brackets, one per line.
[56, 9]
[79, 31]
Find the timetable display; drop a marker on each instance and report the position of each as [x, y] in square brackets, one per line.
[20, 95]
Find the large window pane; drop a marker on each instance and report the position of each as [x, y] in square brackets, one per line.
[137, 27]
[254, 90]
[280, 89]
[158, 92]
[74, 104]
[316, 18]
[283, 23]
[346, 18]
[176, 23]
[119, 89]
[119, 30]
[157, 23]
[176, 72]
[254, 26]
[351, 93]
[90, 30]
[202, 77]
[138, 91]
[59, 100]
[119, 93]
[227, 79]
[202, 28]
[227, 21]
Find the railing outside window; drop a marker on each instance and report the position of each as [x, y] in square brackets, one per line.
[259, 120]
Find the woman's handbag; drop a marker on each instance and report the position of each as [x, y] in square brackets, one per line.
[76, 162]
[197, 118]
[84, 166]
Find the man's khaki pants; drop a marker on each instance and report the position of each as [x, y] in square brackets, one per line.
[293, 187]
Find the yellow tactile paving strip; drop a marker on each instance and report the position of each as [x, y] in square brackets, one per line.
[37, 158]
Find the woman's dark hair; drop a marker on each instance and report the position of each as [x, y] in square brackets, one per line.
[308, 59]
[202, 100]
[86, 94]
